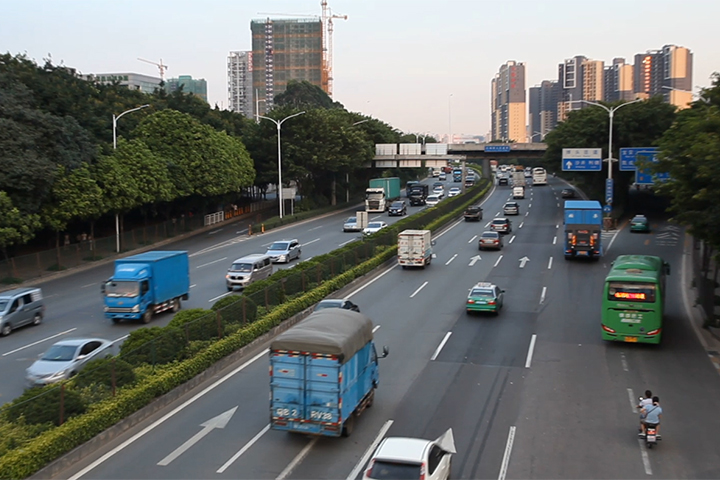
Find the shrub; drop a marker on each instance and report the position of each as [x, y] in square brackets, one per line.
[236, 309]
[38, 406]
[100, 372]
[154, 345]
[196, 324]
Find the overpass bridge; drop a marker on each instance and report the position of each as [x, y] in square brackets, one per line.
[415, 155]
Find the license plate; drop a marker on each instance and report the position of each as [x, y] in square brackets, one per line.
[651, 438]
[582, 253]
[631, 339]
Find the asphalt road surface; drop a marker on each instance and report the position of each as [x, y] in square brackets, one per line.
[530, 393]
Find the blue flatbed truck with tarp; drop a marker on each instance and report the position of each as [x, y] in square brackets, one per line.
[583, 222]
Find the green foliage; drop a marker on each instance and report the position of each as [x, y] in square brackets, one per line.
[197, 324]
[301, 94]
[42, 405]
[75, 194]
[15, 227]
[234, 308]
[153, 345]
[100, 372]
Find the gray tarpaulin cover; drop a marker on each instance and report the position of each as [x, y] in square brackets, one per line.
[332, 331]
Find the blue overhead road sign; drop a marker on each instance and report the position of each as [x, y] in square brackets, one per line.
[497, 148]
[629, 155]
[581, 159]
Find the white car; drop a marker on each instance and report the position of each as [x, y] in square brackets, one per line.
[412, 458]
[453, 192]
[438, 190]
[65, 359]
[374, 227]
[351, 225]
[432, 200]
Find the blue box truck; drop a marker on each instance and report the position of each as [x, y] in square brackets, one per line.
[145, 284]
[583, 222]
[323, 373]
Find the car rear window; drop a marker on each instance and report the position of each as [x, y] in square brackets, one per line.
[490, 235]
[499, 222]
[482, 292]
[385, 470]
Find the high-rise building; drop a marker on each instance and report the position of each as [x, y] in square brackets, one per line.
[666, 72]
[508, 103]
[570, 81]
[592, 80]
[239, 83]
[197, 87]
[133, 81]
[284, 50]
[618, 80]
[542, 107]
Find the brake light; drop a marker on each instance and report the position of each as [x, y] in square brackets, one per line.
[422, 471]
[369, 469]
[654, 332]
[608, 329]
[491, 302]
[471, 301]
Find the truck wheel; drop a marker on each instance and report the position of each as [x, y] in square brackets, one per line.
[349, 425]
[176, 305]
[147, 316]
[116, 320]
[371, 400]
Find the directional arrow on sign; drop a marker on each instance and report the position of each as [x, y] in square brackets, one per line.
[217, 422]
[569, 164]
[474, 260]
[523, 261]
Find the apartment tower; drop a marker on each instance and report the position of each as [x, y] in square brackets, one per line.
[508, 103]
[193, 86]
[239, 83]
[542, 106]
[618, 80]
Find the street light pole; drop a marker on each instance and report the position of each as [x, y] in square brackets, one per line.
[279, 124]
[117, 216]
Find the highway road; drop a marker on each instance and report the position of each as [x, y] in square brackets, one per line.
[74, 305]
[531, 393]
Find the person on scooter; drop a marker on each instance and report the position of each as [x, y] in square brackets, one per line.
[644, 402]
[653, 414]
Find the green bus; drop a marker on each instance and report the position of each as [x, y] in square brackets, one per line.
[634, 298]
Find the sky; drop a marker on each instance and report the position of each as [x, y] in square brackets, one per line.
[423, 66]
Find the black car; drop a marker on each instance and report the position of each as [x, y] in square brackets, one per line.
[567, 193]
[398, 208]
[473, 212]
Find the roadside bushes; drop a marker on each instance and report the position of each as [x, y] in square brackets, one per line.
[105, 371]
[43, 406]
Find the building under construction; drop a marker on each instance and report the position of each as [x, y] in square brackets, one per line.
[284, 50]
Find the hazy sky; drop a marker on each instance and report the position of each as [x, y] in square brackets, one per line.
[396, 60]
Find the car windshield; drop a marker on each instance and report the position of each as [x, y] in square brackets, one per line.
[59, 353]
[122, 289]
[329, 304]
[386, 470]
[279, 246]
[482, 292]
[351, 220]
[374, 225]
[3, 304]
[639, 219]
[432, 198]
[397, 205]
[241, 267]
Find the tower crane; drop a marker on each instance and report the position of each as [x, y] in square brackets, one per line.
[161, 66]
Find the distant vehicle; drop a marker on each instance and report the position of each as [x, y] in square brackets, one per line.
[439, 191]
[567, 193]
[409, 185]
[418, 194]
[511, 208]
[351, 225]
[380, 192]
[248, 269]
[412, 458]
[432, 200]
[415, 248]
[490, 239]
[343, 303]
[518, 192]
[473, 212]
[639, 223]
[528, 173]
[457, 175]
[485, 297]
[539, 176]
[438, 184]
[374, 227]
[501, 224]
[65, 359]
[442, 176]
[21, 306]
[284, 251]
[583, 220]
[436, 173]
[502, 179]
[398, 208]
[454, 192]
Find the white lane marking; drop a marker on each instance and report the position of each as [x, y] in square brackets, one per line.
[557, 226]
[528, 360]
[440, 347]
[612, 240]
[193, 285]
[53, 295]
[526, 213]
[244, 449]
[451, 259]
[487, 224]
[511, 240]
[210, 263]
[521, 224]
[321, 226]
[39, 341]
[215, 231]
[311, 241]
[375, 328]
[371, 448]
[550, 263]
[371, 282]
[498, 261]
[297, 460]
[624, 362]
[557, 204]
[645, 458]
[473, 238]
[220, 296]
[89, 285]
[506, 455]
[449, 228]
[530, 205]
[376, 217]
[418, 290]
[349, 241]
[554, 239]
[633, 400]
[542, 295]
[165, 417]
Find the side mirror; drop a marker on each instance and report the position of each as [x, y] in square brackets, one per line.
[386, 351]
[502, 291]
[433, 242]
[80, 357]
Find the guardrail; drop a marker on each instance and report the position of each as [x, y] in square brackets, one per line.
[213, 218]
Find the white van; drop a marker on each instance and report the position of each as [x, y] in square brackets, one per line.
[518, 192]
[248, 269]
[19, 307]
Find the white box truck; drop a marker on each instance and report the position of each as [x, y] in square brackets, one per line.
[414, 248]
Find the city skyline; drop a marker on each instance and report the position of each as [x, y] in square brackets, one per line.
[391, 62]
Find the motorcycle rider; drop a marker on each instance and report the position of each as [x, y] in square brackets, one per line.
[653, 414]
[644, 401]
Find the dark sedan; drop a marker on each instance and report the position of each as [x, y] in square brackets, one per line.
[568, 193]
[398, 209]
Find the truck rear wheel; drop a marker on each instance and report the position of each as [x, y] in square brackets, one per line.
[349, 425]
[176, 305]
[147, 316]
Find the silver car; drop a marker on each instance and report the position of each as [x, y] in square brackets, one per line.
[284, 251]
[66, 358]
[351, 225]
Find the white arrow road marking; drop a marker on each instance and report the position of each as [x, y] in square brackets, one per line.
[451, 259]
[523, 261]
[217, 422]
[474, 260]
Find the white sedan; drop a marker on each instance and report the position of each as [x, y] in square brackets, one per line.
[66, 358]
[374, 227]
[412, 458]
[453, 192]
[432, 200]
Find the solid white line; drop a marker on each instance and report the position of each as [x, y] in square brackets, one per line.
[244, 449]
[39, 341]
[550, 263]
[220, 296]
[210, 263]
[366, 456]
[311, 241]
[498, 261]
[506, 455]
[371, 282]
[554, 239]
[451, 259]
[645, 458]
[88, 285]
[624, 362]
[612, 240]
[165, 417]
[349, 241]
[449, 228]
[473, 238]
[633, 400]
[521, 224]
[297, 460]
[542, 295]
[418, 290]
[375, 328]
[321, 226]
[442, 344]
[511, 240]
[528, 360]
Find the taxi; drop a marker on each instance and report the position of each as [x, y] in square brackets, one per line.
[485, 297]
[639, 223]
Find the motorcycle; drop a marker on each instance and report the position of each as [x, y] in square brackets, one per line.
[651, 436]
